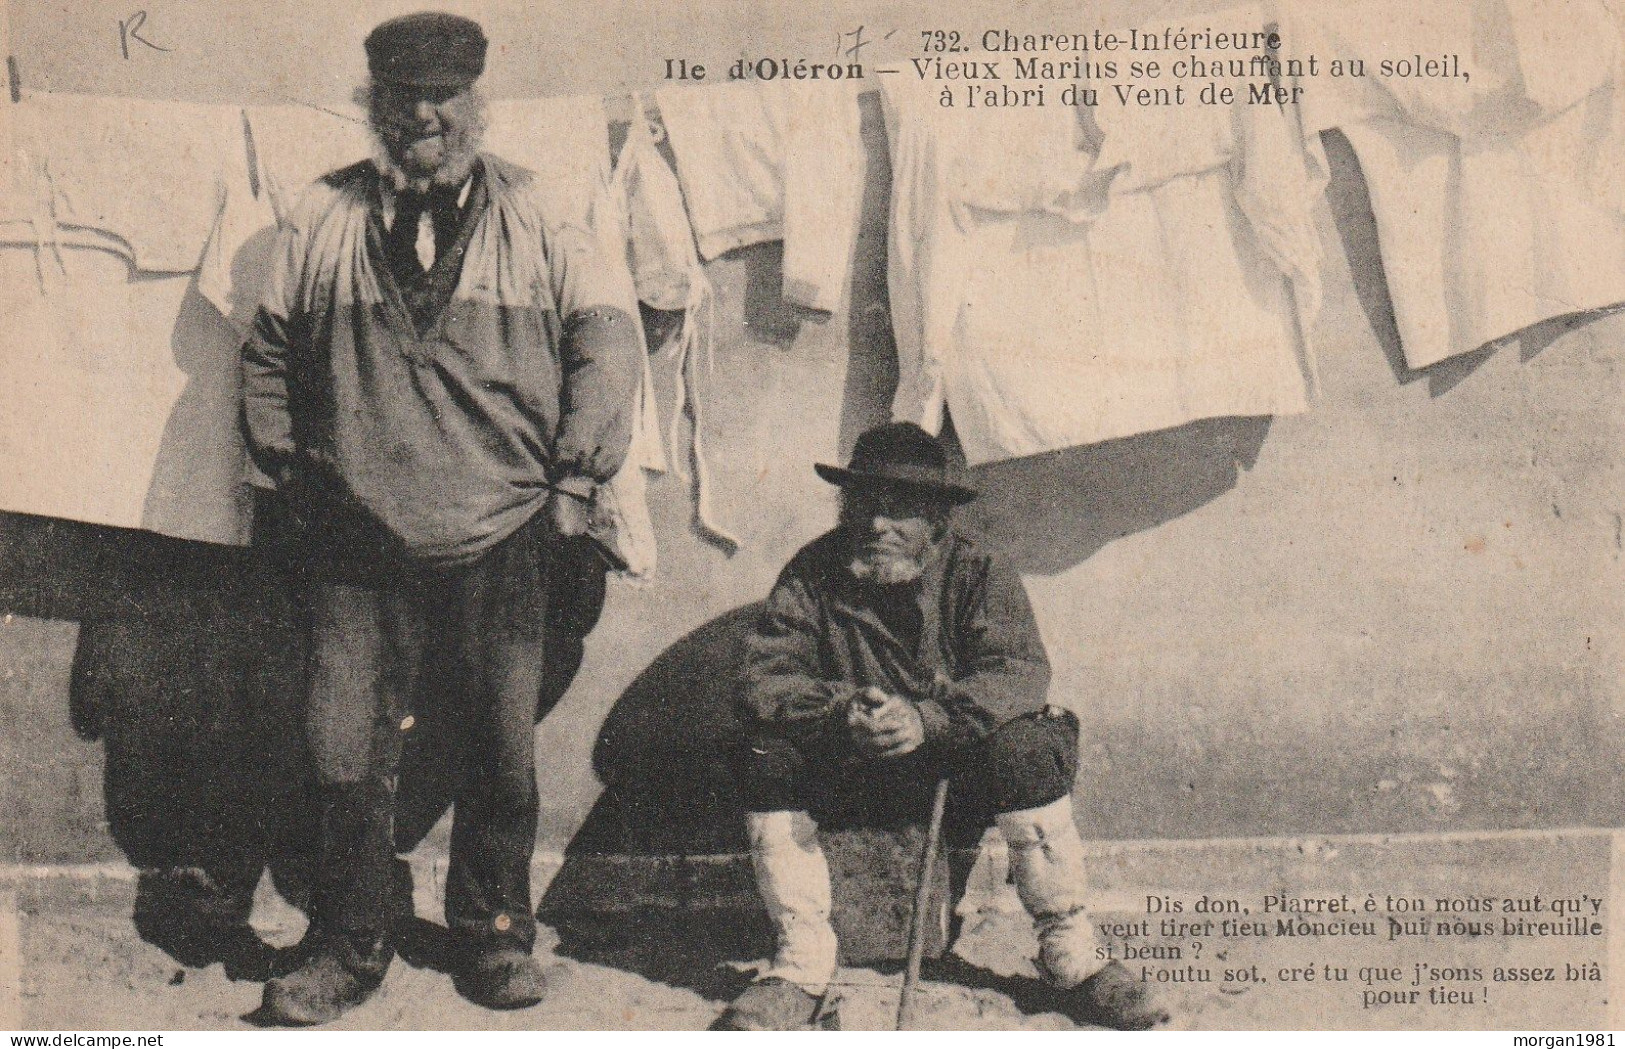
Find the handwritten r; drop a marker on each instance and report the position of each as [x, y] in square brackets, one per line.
[130, 29]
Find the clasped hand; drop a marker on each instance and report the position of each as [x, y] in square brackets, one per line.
[884, 725]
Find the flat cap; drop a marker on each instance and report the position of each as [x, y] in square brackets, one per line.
[427, 49]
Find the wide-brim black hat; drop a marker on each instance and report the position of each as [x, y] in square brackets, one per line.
[902, 455]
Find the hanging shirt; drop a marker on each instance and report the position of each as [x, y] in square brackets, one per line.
[1071, 298]
[446, 440]
[665, 265]
[729, 142]
[150, 174]
[762, 162]
[825, 172]
[1497, 196]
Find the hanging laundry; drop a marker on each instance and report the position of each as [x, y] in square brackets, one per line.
[1078, 298]
[729, 142]
[825, 168]
[120, 382]
[151, 174]
[289, 148]
[762, 162]
[624, 524]
[294, 145]
[238, 258]
[1496, 195]
[565, 141]
[121, 395]
[665, 267]
[669, 276]
[1276, 180]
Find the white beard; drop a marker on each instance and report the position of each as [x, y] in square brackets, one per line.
[461, 151]
[886, 571]
[453, 170]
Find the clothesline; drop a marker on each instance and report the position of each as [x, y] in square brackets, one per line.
[1032, 294]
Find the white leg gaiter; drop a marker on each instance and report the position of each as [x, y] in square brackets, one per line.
[793, 878]
[1046, 857]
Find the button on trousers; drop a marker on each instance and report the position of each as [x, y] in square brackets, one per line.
[400, 649]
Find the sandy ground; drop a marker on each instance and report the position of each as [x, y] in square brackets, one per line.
[85, 967]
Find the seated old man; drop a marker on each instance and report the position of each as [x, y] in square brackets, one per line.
[891, 652]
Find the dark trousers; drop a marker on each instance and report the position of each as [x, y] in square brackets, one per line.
[1026, 763]
[385, 633]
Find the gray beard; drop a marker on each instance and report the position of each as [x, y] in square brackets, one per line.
[886, 571]
[452, 172]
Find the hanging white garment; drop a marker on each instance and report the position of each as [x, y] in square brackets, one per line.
[665, 269]
[777, 161]
[759, 162]
[150, 174]
[669, 276]
[294, 145]
[824, 171]
[289, 147]
[120, 384]
[121, 398]
[729, 143]
[565, 141]
[1079, 299]
[1496, 195]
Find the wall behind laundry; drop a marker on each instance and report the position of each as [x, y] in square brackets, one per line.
[1397, 613]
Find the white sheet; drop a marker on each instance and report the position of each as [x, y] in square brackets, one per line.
[121, 395]
[151, 174]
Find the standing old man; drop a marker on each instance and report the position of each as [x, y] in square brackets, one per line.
[891, 652]
[439, 379]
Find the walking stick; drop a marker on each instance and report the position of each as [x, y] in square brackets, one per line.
[922, 899]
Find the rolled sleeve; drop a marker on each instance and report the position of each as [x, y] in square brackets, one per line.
[599, 352]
